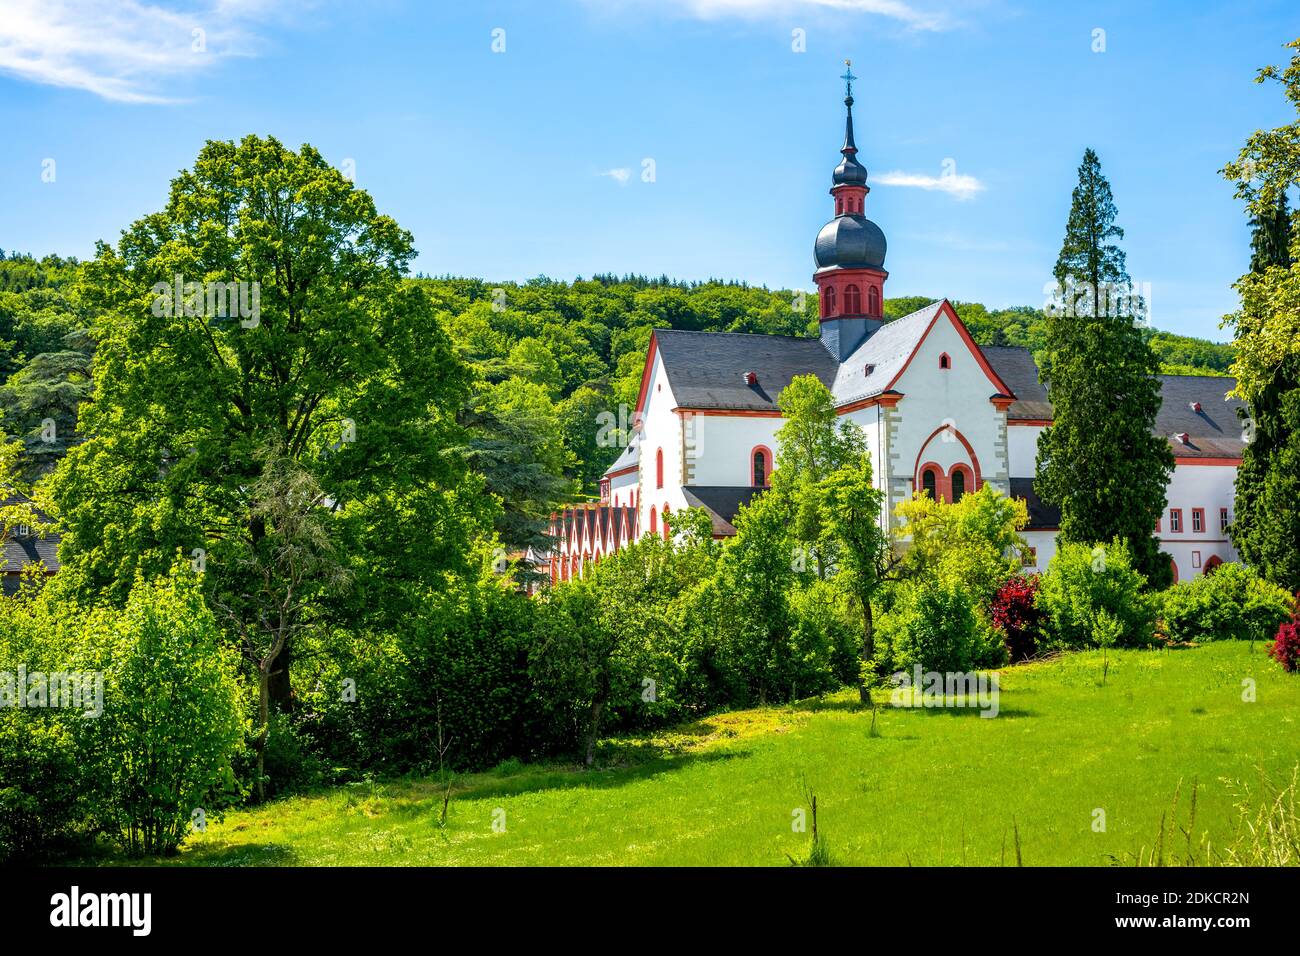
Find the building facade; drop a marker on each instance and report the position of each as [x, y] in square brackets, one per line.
[939, 413]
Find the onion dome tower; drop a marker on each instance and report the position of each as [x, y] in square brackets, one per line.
[849, 253]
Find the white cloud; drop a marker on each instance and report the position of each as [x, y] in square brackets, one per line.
[620, 174]
[957, 185]
[123, 50]
[716, 9]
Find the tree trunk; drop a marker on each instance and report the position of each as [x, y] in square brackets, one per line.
[264, 719]
[593, 730]
[281, 690]
[868, 649]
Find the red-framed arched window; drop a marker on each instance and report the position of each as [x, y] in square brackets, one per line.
[667, 512]
[828, 301]
[873, 301]
[958, 484]
[654, 520]
[760, 466]
[929, 482]
[852, 300]
[1212, 565]
[945, 361]
[659, 467]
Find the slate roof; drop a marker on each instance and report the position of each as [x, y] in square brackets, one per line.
[1042, 516]
[887, 351]
[21, 551]
[1213, 432]
[707, 369]
[721, 502]
[628, 459]
[1016, 367]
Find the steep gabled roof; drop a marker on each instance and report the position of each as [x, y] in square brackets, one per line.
[1016, 367]
[887, 352]
[707, 369]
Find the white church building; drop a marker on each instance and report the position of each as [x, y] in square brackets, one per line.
[939, 413]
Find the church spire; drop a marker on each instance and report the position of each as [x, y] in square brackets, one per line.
[850, 147]
[849, 172]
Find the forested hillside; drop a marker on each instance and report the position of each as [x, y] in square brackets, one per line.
[559, 364]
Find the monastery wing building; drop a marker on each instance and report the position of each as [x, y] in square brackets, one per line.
[939, 414]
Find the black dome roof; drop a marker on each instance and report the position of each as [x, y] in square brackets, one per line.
[850, 242]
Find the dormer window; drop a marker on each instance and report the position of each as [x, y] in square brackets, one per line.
[1195, 406]
[751, 378]
[1184, 438]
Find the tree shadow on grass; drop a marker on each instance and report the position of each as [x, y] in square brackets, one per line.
[629, 764]
[234, 854]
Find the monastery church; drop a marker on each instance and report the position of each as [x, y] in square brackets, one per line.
[939, 413]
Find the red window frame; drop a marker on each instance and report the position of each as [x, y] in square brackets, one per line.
[1198, 520]
[1175, 520]
[659, 467]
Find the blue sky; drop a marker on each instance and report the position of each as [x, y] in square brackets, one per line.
[530, 161]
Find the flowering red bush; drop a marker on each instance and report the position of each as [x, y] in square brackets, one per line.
[1286, 645]
[1017, 616]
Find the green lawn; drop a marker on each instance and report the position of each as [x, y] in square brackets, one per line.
[933, 788]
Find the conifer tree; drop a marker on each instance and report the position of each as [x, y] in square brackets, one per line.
[1100, 460]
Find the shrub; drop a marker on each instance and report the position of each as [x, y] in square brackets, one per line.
[938, 629]
[825, 639]
[1017, 617]
[171, 721]
[1286, 645]
[1086, 586]
[1233, 602]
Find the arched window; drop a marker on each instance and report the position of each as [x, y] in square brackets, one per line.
[759, 470]
[659, 467]
[928, 483]
[1212, 565]
[958, 485]
[852, 300]
[828, 301]
[654, 521]
[873, 301]
[667, 533]
[944, 361]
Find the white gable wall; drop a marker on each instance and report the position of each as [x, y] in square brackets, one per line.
[958, 398]
[661, 428]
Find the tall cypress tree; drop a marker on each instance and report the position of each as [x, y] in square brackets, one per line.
[1100, 460]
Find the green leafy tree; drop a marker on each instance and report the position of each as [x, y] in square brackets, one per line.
[1099, 459]
[1266, 523]
[813, 442]
[331, 360]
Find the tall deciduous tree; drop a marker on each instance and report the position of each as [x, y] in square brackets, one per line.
[1266, 523]
[1099, 460]
[330, 360]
